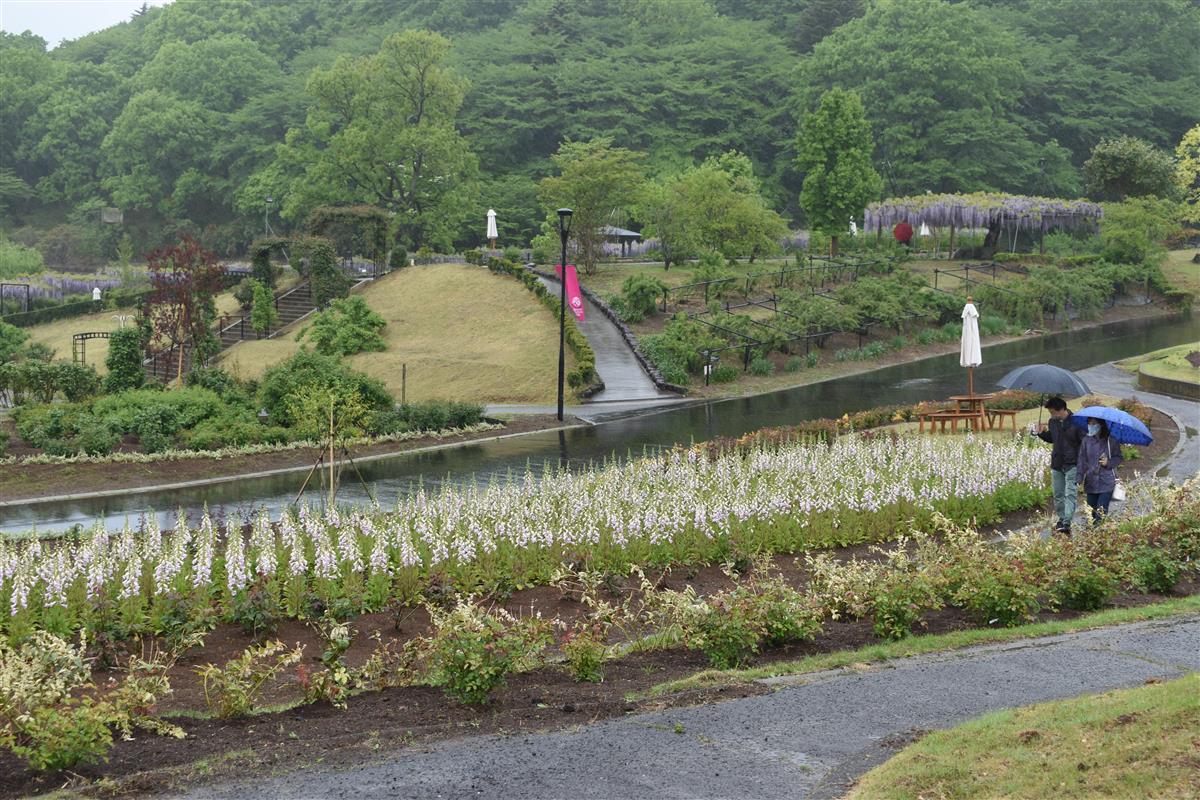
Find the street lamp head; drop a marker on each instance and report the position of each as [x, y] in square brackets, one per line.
[269, 199]
[564, 220]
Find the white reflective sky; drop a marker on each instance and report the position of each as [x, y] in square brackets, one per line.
[56, 20]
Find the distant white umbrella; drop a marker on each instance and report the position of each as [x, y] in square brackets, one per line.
[924, 230]
[853, 228]
[970, 353]
[492, 234]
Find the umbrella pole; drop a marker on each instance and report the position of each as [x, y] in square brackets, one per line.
[971, 381]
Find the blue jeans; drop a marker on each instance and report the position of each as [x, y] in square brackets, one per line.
[1063, 482]
[1098, 502]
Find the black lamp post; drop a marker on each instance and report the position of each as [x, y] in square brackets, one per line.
[267, 215]
[564, 228]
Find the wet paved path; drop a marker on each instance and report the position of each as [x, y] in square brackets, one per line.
[623, 376]
[810, 739]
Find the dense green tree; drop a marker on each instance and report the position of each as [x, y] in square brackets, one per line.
[834, 154]
[597, 181]
[715, 206]
[263, 314]
[381, 132]
[1187, 155]
[1128, 167]
[942, 85]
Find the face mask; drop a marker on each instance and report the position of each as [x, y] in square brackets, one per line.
[1093, 429]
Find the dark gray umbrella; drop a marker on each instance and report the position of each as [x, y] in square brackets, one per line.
[1045, 378]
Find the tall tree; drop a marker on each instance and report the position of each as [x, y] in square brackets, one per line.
[942, 84]
[381, 132]
[1128, 167]
[598, 182]
[834, 154]
[1187, 153]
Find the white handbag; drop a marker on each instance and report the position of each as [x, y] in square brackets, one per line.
[1118, 493]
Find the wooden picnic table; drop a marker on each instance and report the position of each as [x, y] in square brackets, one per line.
[971, 409]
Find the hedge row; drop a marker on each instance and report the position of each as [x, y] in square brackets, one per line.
[585, 359]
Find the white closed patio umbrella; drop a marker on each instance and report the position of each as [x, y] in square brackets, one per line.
[970, 353]
[491, 227]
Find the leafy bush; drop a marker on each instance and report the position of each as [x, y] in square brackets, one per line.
[585, 651]
[233, 690]
[899, 599]
[348, 327]
[762, 366]
[724, 373]
[997, 592]
[794, 364]
[308, 369]
[219, 382]
[244, 293]
[436, 415]
[1154, 570]
[124, 361]
[52, 715]
[18, 260]
[1084, 585]
[640, 293]
[472, 650]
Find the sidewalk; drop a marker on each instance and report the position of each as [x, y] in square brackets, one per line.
[810, 739]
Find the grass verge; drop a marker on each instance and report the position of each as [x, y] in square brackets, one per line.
[1127, 743]
[918, 645]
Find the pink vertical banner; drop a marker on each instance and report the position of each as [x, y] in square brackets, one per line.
[574, 296]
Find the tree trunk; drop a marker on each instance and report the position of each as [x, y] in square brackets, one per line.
[950, 254]
[992, 239]
[833, 251]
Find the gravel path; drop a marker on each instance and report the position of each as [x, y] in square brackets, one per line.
[809, 739]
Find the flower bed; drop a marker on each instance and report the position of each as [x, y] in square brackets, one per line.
[687, 506]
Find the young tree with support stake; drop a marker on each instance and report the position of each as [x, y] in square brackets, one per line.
[834, 153]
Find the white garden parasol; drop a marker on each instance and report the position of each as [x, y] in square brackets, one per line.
[491, 227]
[970, 353]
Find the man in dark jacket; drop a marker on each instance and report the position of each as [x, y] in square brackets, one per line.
[1066, 439]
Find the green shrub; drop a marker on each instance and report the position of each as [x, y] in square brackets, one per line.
[234, 690]
[124, 361]
[640, 293]
[1154, 570]
[996, 592]
[585, 652]
[173, 411]
[219, 382]
[437, 415]
[472, 651]
[762, 366]
[307, 369]
[244, 293]
[348, 327]
[794, 364]
[3, 443]
[1084, 585]
[398, 258]
[900, 597]
[724, 373]
[18, 260]
[77, 381]
[812, 359]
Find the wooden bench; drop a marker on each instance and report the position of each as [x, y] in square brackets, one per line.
[994, 414]
[972, 418]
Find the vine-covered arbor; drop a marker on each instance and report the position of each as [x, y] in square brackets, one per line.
[354, 230]
[314, 257]
[994, 211]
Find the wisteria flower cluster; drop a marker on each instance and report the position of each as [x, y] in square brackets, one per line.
[685, 506]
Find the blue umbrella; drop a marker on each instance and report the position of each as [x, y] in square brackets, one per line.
[1122, 427]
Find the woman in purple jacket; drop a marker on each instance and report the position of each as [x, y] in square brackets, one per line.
[1099, 457]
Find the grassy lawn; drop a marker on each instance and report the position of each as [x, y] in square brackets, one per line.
[58, 335]
[1181, 272]
[464, 333]
[1167, 363]
[1130, 743]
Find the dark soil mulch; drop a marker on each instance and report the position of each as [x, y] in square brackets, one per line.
[47, 480]
[545, 699]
